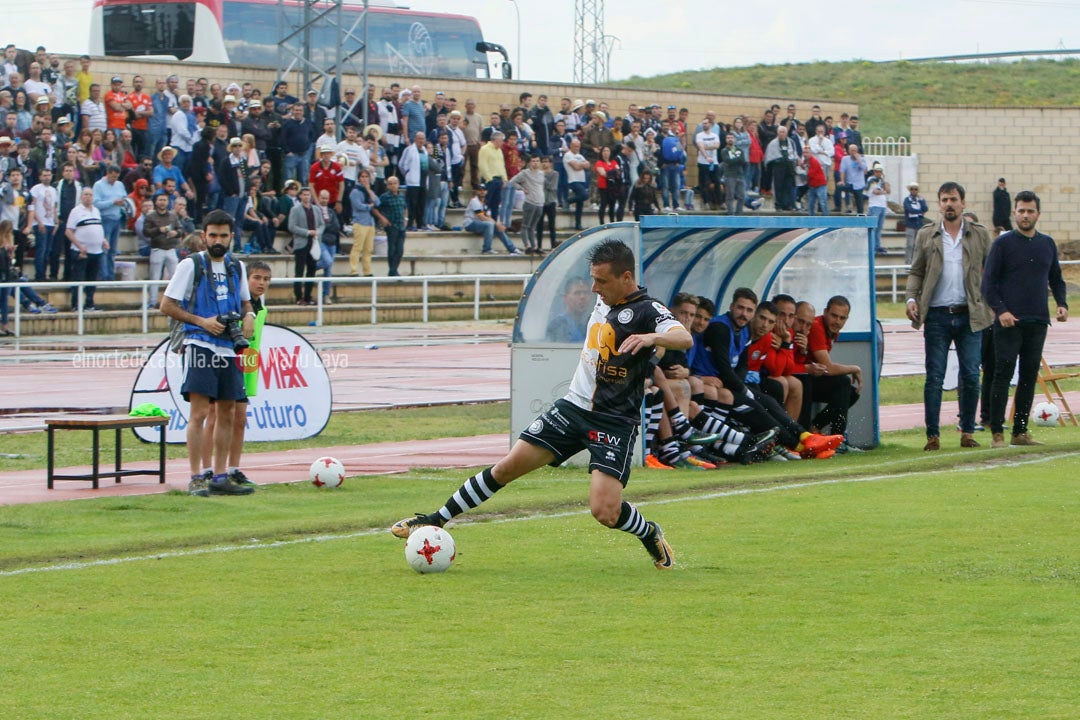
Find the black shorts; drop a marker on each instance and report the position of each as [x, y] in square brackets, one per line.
[566, 430]
[215, 376]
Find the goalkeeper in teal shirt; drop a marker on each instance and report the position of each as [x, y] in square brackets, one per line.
[258, 273]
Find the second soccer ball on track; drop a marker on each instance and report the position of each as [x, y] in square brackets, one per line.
[327, 472]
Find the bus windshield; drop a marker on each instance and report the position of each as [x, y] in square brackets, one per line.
[149, 29]
[398, 43]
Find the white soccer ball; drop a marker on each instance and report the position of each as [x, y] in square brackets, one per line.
[1045, 414]
[430, 549]
[327, 472]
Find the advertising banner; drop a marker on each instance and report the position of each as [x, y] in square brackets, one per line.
[293, 401]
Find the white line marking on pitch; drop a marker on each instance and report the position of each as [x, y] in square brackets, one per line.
[257, 545]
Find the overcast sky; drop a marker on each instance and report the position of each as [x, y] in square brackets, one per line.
[658, 37]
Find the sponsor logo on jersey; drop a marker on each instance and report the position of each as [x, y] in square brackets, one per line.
[604, 438]
[602, 340]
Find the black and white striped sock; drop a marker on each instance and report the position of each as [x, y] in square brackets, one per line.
[730, 438]
[669, 452]
[472, 492]
[653, 412]
[630, 521]
[679, 424]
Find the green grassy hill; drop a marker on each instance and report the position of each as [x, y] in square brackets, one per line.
[885, 92]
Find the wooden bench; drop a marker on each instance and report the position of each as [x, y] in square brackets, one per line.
[97, 423]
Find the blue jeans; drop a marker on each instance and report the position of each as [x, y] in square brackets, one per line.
[294, 165]
[753, 177]
[488, 231]
[562, 194]
[875, 232]
[670, 179]
[818, 197]
[43, 240]
[111, 228]
[494, 196]
[941, 329]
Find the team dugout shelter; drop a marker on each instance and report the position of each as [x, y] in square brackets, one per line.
[809, 258]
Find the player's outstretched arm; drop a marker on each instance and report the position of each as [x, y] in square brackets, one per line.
[677, 338]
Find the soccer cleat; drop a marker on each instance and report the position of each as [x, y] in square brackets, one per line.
[658, 548]
[197, 486]
[404, 528]
[654, 462]
[238, 477]
[223, 485]
[825, 454]
[812, 443]
[757, 448]
[699, 438]
[694, 460]
[844, 448]
[782, 452]
[685, 464]
[708, 455]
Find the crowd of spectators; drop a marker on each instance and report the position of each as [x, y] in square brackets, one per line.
[209, 145]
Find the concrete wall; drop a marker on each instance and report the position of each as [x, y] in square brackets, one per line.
[487, 93]
[1032, 148]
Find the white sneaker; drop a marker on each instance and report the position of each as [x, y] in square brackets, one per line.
[667, 208]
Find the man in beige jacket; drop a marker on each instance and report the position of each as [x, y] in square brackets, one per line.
[944, 297]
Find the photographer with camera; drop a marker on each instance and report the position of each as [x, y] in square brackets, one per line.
[209, 294]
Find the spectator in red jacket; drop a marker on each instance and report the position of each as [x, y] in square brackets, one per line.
[818, 184]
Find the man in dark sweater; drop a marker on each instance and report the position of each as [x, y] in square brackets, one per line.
[1021, 265]
[1002, 208]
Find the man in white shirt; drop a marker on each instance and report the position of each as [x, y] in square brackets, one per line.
[576, 164]
[823, 149]
[353, 157]
[211, 371]
[93, 110]
[458, 145]
[88, 245]
[944, 297]
[42, 217]
[480, 222]
[708, 143]
[34, 86]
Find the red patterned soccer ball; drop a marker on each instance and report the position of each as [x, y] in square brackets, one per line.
[327, 472]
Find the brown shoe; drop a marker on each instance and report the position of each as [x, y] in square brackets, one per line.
[968, 440]
[998, 441]
[1024, 438]
[932, 443]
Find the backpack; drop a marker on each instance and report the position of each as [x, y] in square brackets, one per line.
[671, 150]
[177, 333]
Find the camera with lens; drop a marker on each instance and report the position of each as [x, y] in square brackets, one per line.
[234, 331]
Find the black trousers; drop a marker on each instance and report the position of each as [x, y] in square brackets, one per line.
[549, 214]
[395, 249]
[838, 394]
[416, 199]
[305, 267]
[1023, 341]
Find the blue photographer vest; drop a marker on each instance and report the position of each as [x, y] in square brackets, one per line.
[210, 298]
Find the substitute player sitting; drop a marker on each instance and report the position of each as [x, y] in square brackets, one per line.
[601, 411]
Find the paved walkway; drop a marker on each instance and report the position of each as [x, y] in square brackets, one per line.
[371, 366]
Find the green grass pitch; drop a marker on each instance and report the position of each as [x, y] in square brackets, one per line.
[893, 584]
